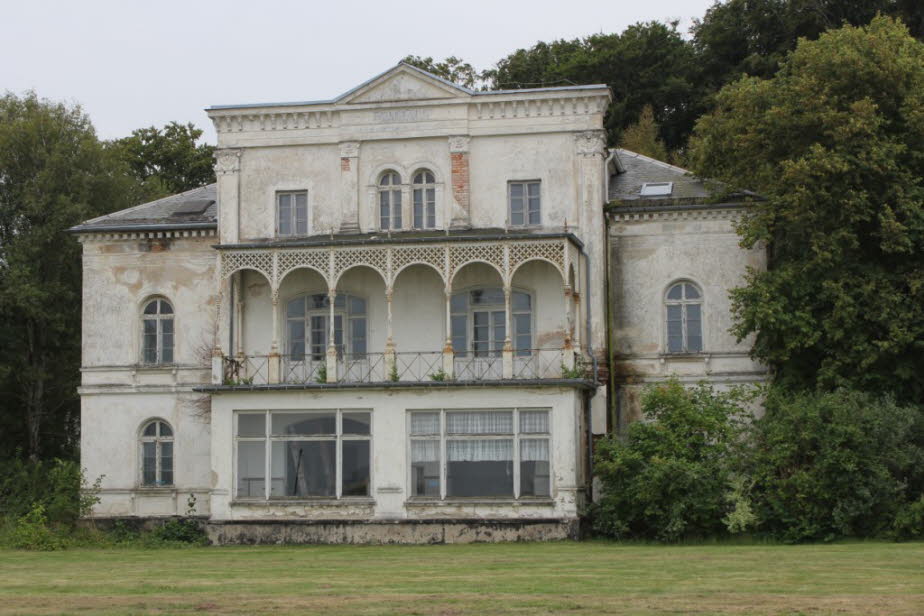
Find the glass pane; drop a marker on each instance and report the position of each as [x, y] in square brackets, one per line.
[149, 463]
[533, 188]
[691, 291]
[520, 301]
[355, 473]
[303, 468]
[492, 296]
[516, 191]
[304, 423]
[358, 336]
[251, 460]
[500, 331]
[425, 468]
[534, 422]
[339, 301]
[675, 292]
[674, 329]
[166, 353]
[431, 208]
[425, 423]
[284, 215]
[356, 423]
[396, 209]
[166, 463]
[319, 301]
[301, 213]
[384, 211]
[517, 219]
[296, 307]
[535, 479]
[479, 468]
[418, 208]
[522, 324]
[428, 177]
[165, 307]
[357, 305]
[151, 307]
[296, 338]
[694, 328]
[479, 422]
[418, 177]
[150, 429]
[251, 424]
[149, 342]
[165, 429]
[459, 302]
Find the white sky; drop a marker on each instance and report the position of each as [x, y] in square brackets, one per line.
[134, 63]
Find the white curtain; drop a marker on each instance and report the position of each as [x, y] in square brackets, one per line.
[479, 451]
[425, 423]
[534, 422]
[480, 422]
[534, 450]
[425, 451]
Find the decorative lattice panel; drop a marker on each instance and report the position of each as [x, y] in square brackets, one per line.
[259, 260]
[317, 259]
[376, 258]
[552, 251]
[403, 256]
[490, 253]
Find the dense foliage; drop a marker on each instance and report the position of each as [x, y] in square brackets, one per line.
[815, 466]
[835, 143]
[667, 478]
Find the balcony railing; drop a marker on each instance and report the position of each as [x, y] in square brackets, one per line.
[413, 367]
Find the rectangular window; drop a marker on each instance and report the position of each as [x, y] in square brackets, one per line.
[291, 213]
[424, 208]
[303, 454]
[480, 454]
[524, 204]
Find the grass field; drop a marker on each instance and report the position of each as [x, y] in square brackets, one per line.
[538, 578]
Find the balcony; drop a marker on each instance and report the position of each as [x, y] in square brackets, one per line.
[461, 309]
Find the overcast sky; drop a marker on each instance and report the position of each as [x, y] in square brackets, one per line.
[133, 64]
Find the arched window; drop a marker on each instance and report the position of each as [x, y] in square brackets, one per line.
[684, 303]
[424, 200]
[157, 454]
[478, 325]
[157, 332]
[390, 200]
[308, 325]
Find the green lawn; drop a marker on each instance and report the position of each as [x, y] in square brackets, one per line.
[536, 578]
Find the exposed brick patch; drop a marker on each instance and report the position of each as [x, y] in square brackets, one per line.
[460, 182]
[344, 163]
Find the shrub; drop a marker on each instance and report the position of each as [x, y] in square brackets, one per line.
[832, 465]
[32, 532]
[668, 479]
[60, 486]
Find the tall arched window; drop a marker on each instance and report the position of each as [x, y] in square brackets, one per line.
[157, 332]
[478, 325]
[308, 325]
[157, 454]
[684, 303]
[424, 200]
[390, 200]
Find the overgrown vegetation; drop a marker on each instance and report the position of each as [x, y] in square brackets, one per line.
[815, 467]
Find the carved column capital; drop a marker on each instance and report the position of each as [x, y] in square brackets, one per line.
[590, 143]
[227, 161]
[459, 143]
[349, 149]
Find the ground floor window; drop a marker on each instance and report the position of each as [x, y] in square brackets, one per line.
[303, 454]
[480, 453]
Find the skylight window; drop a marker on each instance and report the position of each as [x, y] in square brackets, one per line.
[657, 189]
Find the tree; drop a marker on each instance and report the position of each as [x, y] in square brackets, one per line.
[752, 37]
[642, 137]
[835, 143]
[54, 173]
[647, 64]
[167, 160]
[451, 69]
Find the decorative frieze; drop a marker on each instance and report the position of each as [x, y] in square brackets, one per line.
[145, 235]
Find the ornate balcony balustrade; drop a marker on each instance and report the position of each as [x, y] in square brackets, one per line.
[406, 367]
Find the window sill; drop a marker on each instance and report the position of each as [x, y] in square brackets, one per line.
[156, 489]
[453, 502]
[325, 502]
[684, 356]
[157, 367]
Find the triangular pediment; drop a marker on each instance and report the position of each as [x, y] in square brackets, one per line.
[403, 83]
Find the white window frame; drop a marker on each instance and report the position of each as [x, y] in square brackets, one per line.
[158, 439]
[471, 309]
[392, 190]
[443, 437]
[268, 439]
[526, 223]
[346, 315]
[425, 189]
[656, 189]
[293, 214]
[158, 318]
[684, 302]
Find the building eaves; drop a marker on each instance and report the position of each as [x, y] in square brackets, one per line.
[193, 209]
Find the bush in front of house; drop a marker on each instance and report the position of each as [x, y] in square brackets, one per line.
[839, 464]
[669, 479]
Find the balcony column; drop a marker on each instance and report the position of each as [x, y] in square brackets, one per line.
[567, 358]
[448, 352]
[218, 359]
[239, 316]
[576, 342]
[272, 362]
[508, 345]
[390, 365]
[331, 341]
